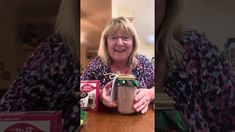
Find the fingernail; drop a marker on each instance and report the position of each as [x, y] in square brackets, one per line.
[135, 106]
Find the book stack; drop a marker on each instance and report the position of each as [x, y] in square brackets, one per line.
[163, 101]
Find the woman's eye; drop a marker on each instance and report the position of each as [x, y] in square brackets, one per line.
[125, 37]
[114, 37]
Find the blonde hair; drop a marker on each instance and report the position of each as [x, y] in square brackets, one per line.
[67, 25]
[119, 23]
[169, 33]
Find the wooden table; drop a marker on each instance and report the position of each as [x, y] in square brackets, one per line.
[111, 121]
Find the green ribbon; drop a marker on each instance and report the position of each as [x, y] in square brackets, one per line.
[128, 83]
[170, 120]
[83, 117]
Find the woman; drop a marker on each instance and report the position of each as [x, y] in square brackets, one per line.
[118, 53]
[48, 79]
[192, 71]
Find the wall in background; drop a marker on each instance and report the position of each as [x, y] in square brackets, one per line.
[214, 17]
[7, 45]
[143, 19]
[14, 51]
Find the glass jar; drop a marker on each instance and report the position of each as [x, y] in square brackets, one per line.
[126, 90]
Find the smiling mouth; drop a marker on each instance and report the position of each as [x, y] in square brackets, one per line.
[119, 50]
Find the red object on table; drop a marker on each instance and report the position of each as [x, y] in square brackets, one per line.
[89, 98]
[33, 121]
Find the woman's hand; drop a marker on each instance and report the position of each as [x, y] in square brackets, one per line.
[142, 99]
[105, 96]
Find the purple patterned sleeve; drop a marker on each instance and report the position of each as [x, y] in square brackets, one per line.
[96, 70]
[46, 82]
[218, 87]
[202, 85]
[92, 70]
[145, 72]
[214, 85]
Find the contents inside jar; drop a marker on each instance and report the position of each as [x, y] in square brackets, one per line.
[126, 90]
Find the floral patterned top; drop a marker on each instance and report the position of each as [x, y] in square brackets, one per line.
[143, 72]
[203, 86]
[46, 82]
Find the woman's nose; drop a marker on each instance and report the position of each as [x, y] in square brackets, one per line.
[120, 42]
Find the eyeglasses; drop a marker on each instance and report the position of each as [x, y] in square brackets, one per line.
[124, 38]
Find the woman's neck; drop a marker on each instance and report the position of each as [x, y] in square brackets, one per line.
[121, 67]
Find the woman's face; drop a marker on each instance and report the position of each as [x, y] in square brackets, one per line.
[160, 8]
[120, 46]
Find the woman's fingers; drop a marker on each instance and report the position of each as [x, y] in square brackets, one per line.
[140, 105]
[109, 103]
[106, 91]
[138, 95]
[144, 110]
[105, 96]
[108, 85]
[112, 104]
[142, 101]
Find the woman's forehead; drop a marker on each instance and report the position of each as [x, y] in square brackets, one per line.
[119, 30]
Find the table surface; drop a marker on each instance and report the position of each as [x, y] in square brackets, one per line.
[111, 121]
